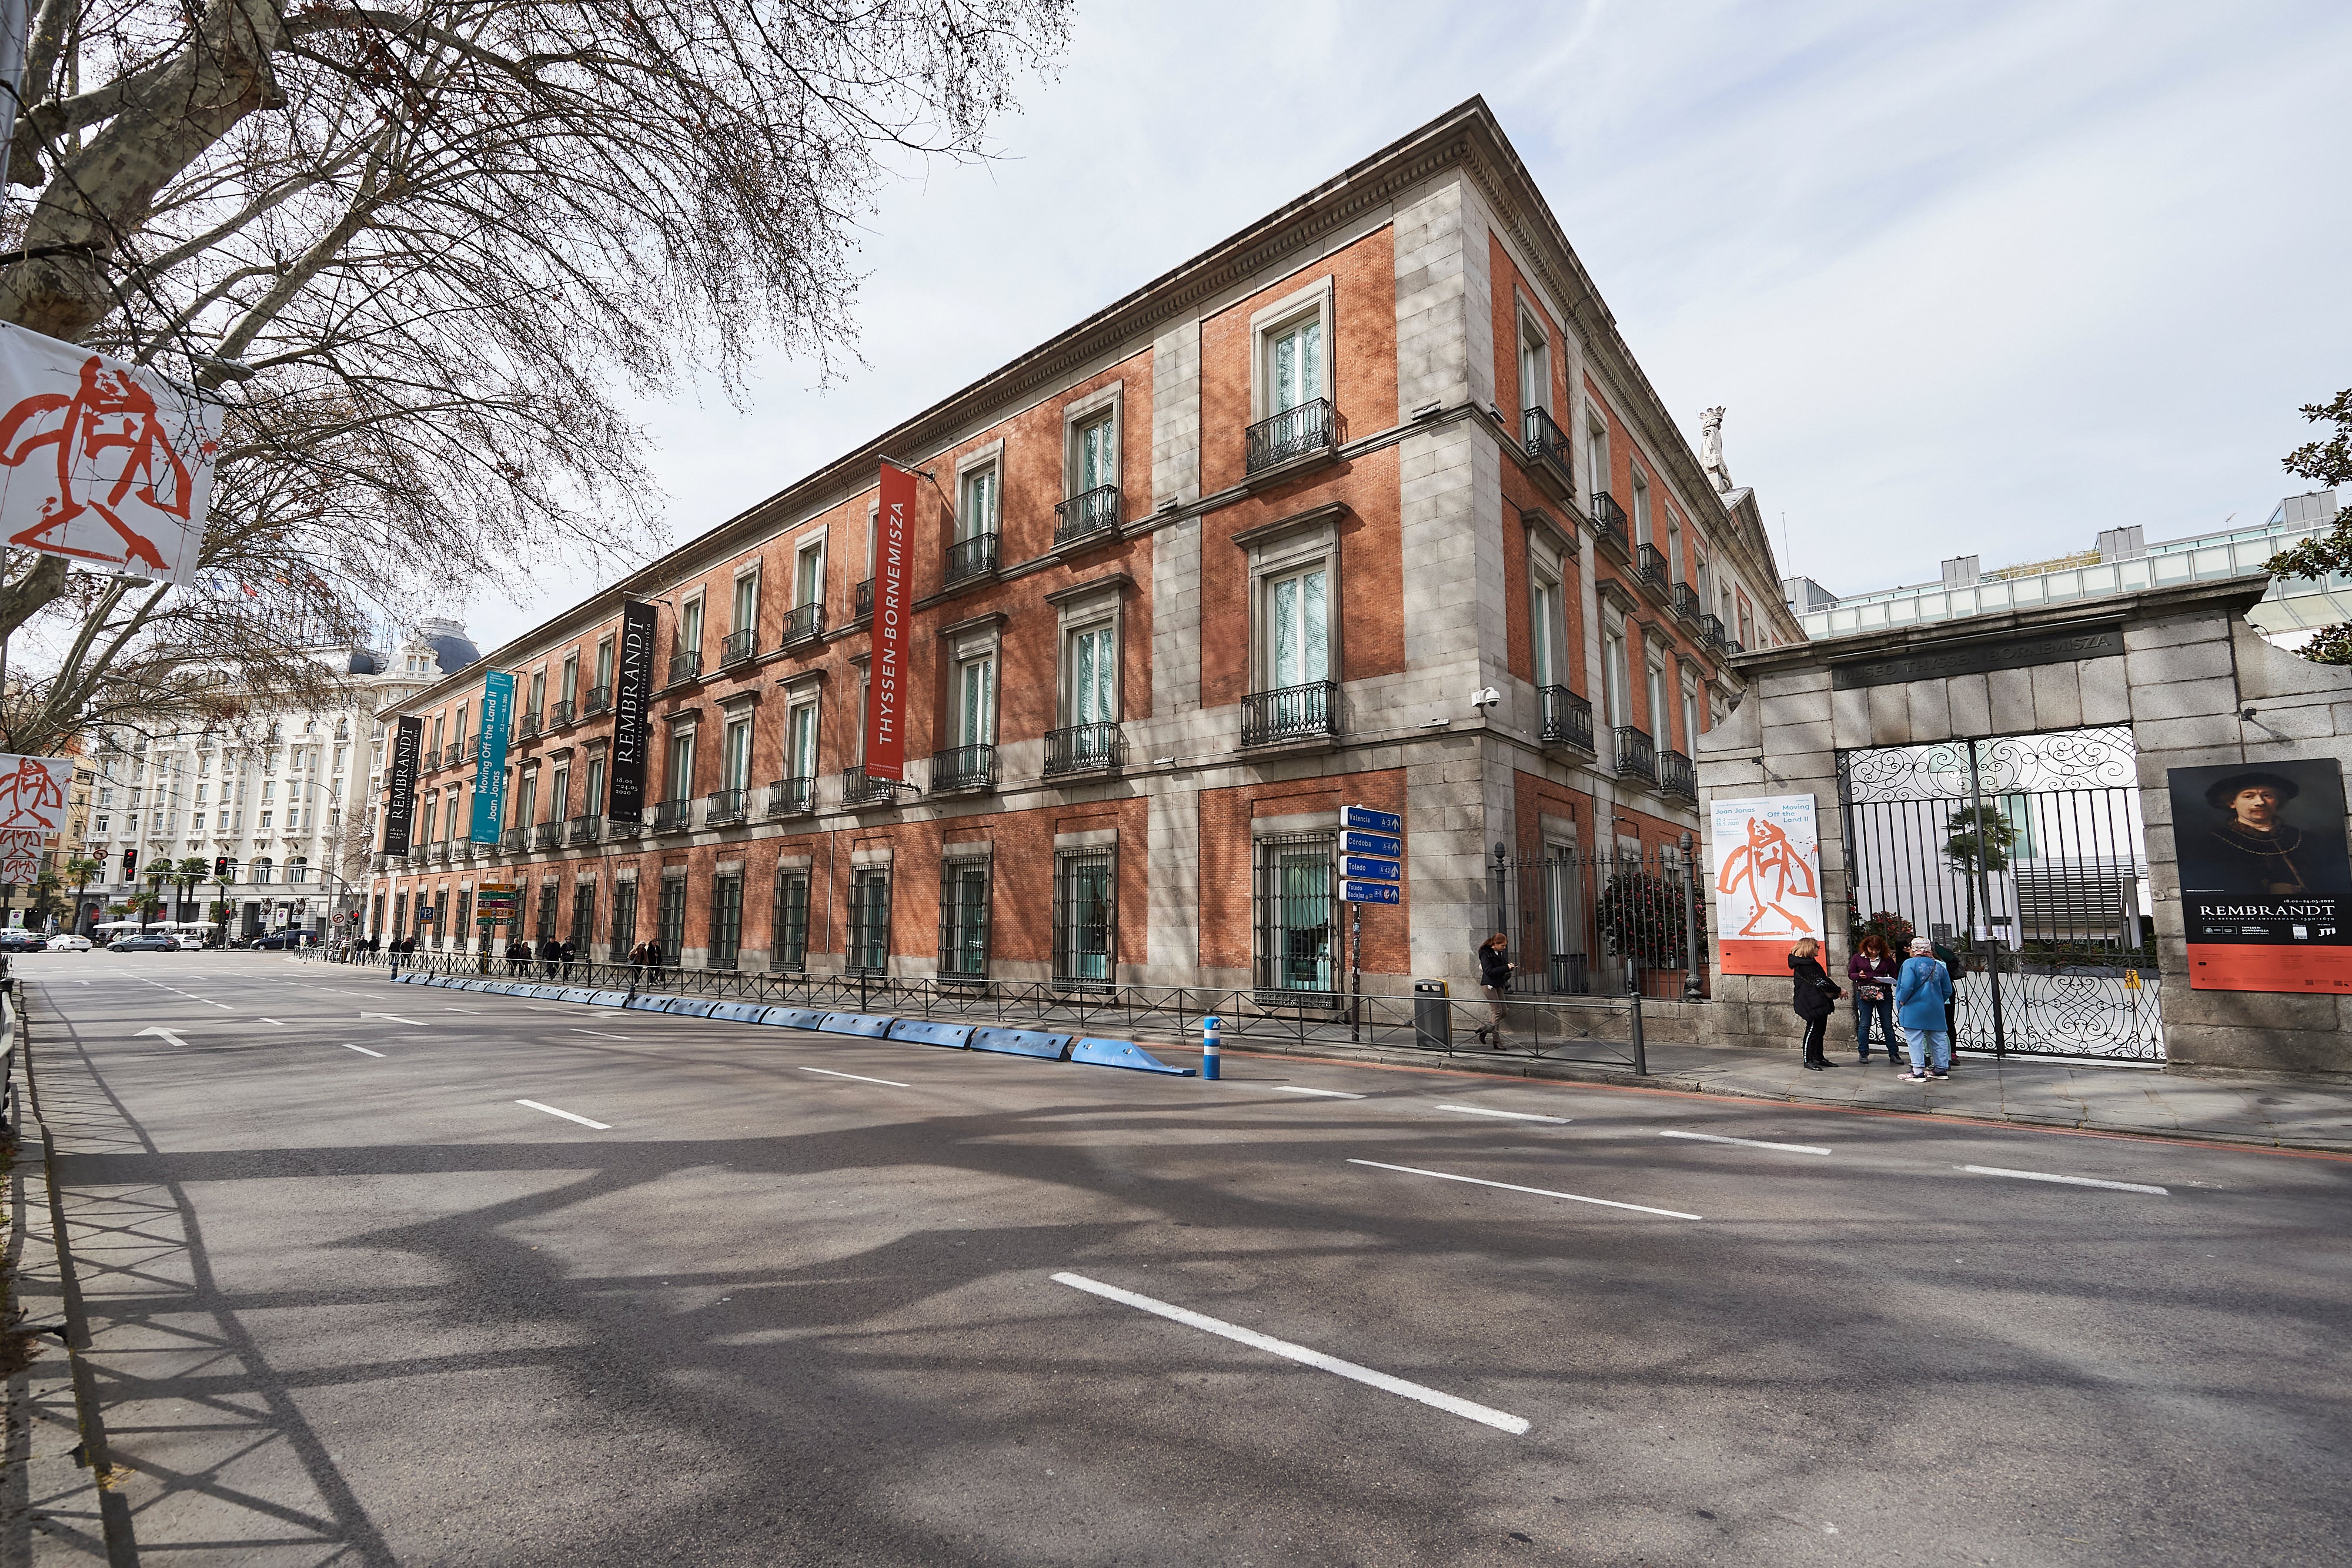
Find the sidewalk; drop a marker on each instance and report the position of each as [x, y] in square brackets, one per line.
[2032, 1092]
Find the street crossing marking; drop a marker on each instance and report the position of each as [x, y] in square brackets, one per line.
[1513, 1115]
[1747, 1143]
[829, 1072]
[600, 1126]
[599, 1033]
[273, 1020]
[1453, 1405]
[1302, 1089]
[2070, 1181]
[364, 1050]
[1538, 1191]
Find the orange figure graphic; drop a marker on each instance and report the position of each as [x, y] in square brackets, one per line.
[112, 448]
[30, 796]
[1769, 856]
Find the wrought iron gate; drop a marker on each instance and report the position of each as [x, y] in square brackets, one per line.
[2028, 854]
[1605, 923]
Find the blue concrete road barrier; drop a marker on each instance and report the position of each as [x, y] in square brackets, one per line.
[1022, 1042]
[649, 1002]
[1123, 1053]
[795, 1017]
[691, 1007]
[576, 994]
[739, 1012]
[874, 1026]
[605, 999]
[923, 1031]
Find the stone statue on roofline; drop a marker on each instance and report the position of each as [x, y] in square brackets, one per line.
[1710, 448]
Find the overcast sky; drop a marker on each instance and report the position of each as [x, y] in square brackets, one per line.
[1971, 279]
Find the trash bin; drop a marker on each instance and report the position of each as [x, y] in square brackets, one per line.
[1433, 1016]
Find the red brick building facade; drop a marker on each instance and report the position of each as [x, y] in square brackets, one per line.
[1239, 550]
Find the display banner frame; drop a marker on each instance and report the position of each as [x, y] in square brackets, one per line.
[34, 791]
[2263, 902]
[886, 683]
[490, 760]
[400, 785]
[1766, 875]
[633, 690]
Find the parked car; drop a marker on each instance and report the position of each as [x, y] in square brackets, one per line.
[19, 941]
[283, 939]
[154, 943]
[66, 942]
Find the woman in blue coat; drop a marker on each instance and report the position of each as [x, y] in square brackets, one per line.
[1921, 991]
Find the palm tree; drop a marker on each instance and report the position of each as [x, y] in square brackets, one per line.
[1999, 838]
[149, 906]
[81, 868]
[220, 905]
[45, 896]
[191, 870]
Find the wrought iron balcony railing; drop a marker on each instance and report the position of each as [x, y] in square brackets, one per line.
[1609, 518]
[436, 853]
[1650, 565]
[563, 713]
[685, 667]
[1294, 432]
[1710, 631]
[1636, 755]
[967, 559]
[546, 835]
[473, 748]
[1566, 718]
[739, 646]
[857, 790]
[615, 828]
[865, 599]
[723, 806]
[671, 815]
[1084, 748]
[792, 796]
[803, 622]
[1291, 713]
[1546, 445]
[1686, 602]
[526, 726]
[600, 700]
[1088, 512]
[583, 830]
[511, 840]
[1677, 776]
[963, 767]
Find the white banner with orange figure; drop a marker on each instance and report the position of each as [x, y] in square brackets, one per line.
[1768, 881]
[104, 462]
[33, 792]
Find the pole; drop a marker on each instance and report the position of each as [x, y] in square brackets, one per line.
[1356, 1006]
[1691, 987]
[1984, 898]
[1210, 1063]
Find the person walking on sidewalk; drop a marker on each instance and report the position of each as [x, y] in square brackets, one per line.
[1921, 991]
[1872, 970]
[1495, 968]
[1816, 996]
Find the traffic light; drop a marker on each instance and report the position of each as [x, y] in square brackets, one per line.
[220, 868]
[129, 863]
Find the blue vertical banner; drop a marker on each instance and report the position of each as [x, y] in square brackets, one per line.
[490, 767]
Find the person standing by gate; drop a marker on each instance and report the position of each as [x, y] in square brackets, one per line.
[1920, 992]
[1495, 968]
[1816, 995]
[1958, 972]
[1872, 970]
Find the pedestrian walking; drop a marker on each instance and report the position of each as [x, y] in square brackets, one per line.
[548, 951]
[1960, 973]
[1921, 992]
[1816, 997]
[1495, 968]
[566, 954]
[1872, 970]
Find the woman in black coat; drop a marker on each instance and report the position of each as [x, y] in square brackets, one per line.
[1815, 993]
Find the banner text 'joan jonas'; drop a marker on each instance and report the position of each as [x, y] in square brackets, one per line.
[886, 678]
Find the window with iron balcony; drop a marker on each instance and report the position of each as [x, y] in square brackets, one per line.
[547, 835]
[1088, 512]
[583, 830]
[857, 789]
[792, 796]
[1636, 754]
[1686, 602]
[1299, 432]
[1546, 446]
[672, 816]
[1650, 566]
[1677, 776]
[600, 700]
[563, 714]
[1608, 519]
[963, 767]
[803, 622]
[1567, 718]
[723, 806]
[685, 667]
[739, 646]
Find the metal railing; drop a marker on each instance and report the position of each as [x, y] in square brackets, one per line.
[1566, 718]
[865, 598]
[963, 767]
[615, 828]
[1677, 776]
[526, 725]
[472, 749]
[547, 835]
[600, 700]
[1084, 748]
[857, 790]
[1294, 432]
[511, 840]
[563, 714]
[1686, 602]
[583, 830]
[792, 796]
[685, 667]
[738, 646]
[1650, 565]
[450, 753]
[967, 559]
[670, 816]
[1609, 518]
[1710, 631]
[724, 806]
[803, 622]
[1636, 754]
[1088, 512]
[1291, 713]
[1546, 444]
[1605, 1031]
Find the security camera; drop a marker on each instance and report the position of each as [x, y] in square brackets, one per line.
[1485, 698]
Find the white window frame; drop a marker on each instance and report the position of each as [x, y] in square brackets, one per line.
[690, 608]
[804, 580]
[1534, 341]
[1616, 702]
[735, 751]
[988, 460]
[735, 600]
[1546, 629]
[968, 649]
[1598, 476]
[1639, 510]
[1316, 300]
[679, 736]
[1081, 412]
[1281, 551]
[1653, 695]
[792, 759]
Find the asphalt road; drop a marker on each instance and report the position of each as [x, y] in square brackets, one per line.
[418, 1276]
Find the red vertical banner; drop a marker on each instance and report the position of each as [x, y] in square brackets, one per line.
[885, 675]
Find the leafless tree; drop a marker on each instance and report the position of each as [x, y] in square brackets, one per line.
[423, 248]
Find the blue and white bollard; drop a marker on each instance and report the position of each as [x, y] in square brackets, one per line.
[1209, 1046]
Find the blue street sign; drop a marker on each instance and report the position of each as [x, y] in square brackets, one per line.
[1369, 869]
[1380, 844]
[1367, 817]
[1369, 891]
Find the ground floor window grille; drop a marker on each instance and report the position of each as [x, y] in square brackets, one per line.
[399, 916]
[547, 895]
[869, 921]
[461, 930]
[1085, 917]
[624, 920]
[788, 934]
[1568, 969]
[583, 916]
[726, 921]
[669, 920]
[375, 920]
[963, 918]
[1297, 951]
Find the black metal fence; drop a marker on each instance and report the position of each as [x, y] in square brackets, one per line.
[1605, 923]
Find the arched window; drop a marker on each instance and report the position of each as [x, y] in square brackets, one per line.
[298, 869]
[262, 870]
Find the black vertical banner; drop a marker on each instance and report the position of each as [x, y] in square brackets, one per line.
[633, 689]
[400, 785]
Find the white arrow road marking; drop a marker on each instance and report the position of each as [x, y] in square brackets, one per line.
[170, 1037]
[364, 1050]
[395, 1018]
[1538, 1191]
[1514, 1115]
[567, 1115]
[2070, 1181]
[1453, 1405]
[1747, 1143]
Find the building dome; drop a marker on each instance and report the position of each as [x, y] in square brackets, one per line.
[452, 648]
